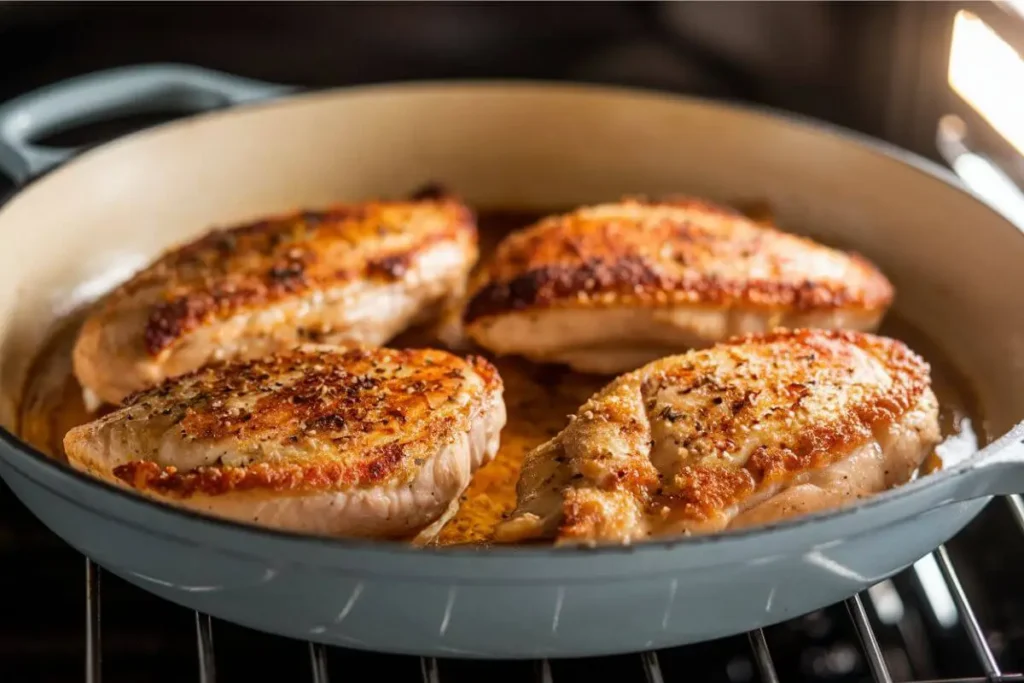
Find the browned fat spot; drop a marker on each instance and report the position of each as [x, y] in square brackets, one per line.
[394, 266]
[432, 190]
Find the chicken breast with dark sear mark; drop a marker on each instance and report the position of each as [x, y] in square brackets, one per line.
[747, 432]
[357, 272]
[359, 441]
[610, 287]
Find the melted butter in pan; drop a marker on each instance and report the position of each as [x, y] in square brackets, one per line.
[538, 398]
[539, 401]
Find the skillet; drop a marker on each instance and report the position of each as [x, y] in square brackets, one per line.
[81, 224]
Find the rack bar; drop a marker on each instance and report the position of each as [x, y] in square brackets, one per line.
[1017, 509]
[963, 605]
[204, 645]
[762, 656]
[318, 660]
[652, 667]
[876, 662]
[93, 648]
[429, 669]
[544, 671]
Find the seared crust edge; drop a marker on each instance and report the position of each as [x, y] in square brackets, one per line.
[627, 279]
[631, 281]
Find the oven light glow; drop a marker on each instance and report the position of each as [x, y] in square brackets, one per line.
[989, 75]
[1016, 5]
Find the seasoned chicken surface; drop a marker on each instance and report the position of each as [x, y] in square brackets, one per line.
[354, 441]
[746, 432]
[352, 273]
[610, 287]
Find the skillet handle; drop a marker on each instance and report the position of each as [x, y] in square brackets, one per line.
[107, 94]
[998, 474]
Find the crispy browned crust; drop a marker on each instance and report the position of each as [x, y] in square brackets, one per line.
[700, 492]
[168, 481]
[231, 270]
[663, 253]
[355, 419]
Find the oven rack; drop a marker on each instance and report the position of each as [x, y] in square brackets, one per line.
[648, 664]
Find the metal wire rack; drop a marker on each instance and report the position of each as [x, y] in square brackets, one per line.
[648, 665]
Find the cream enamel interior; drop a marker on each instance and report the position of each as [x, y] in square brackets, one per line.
[956, 265]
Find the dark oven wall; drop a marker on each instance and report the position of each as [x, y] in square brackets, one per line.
[816, 58]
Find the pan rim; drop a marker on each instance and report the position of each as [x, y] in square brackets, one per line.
[877, 147]
[404, 549]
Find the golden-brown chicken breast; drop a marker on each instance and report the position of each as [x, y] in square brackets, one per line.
[610, 287]
[746, 432]
[356, 441]
[358, 272]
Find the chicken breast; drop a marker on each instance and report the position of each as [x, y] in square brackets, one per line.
[607, 288]
[352, 273]
[358, 441]
[746, 432]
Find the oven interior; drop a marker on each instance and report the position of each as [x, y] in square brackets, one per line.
[941, 79]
